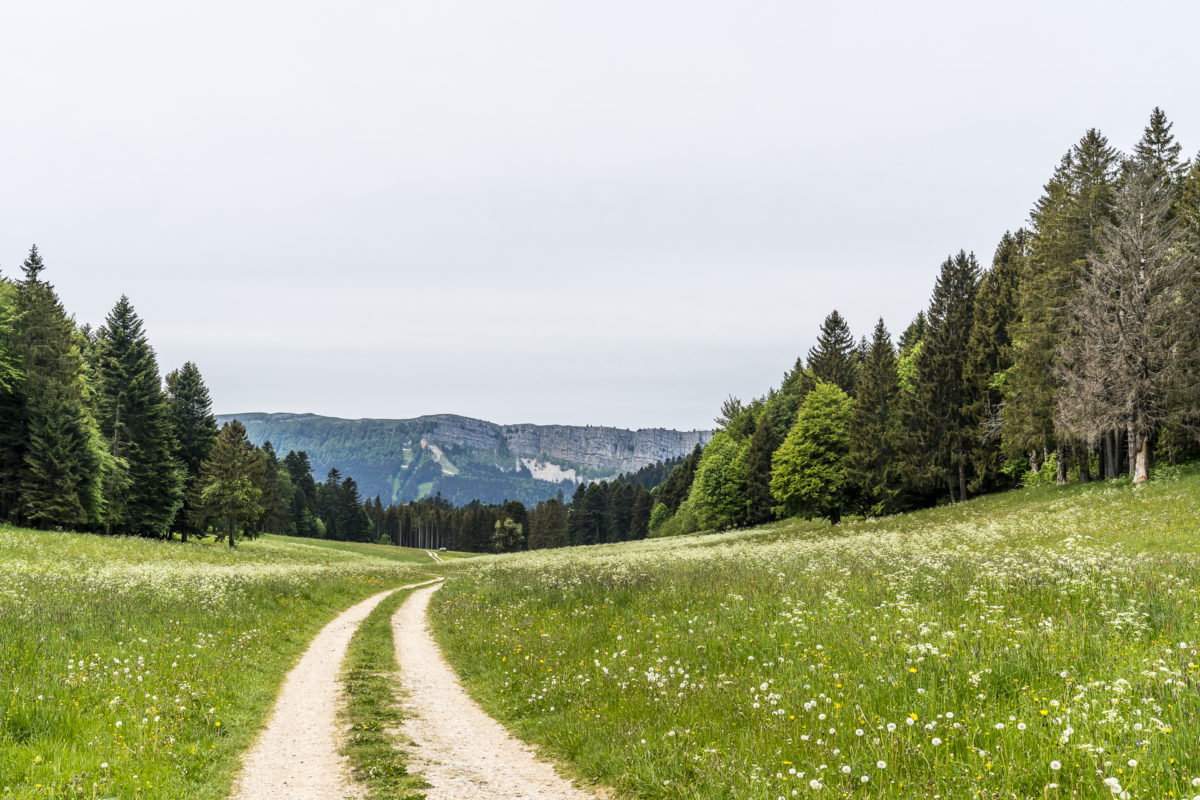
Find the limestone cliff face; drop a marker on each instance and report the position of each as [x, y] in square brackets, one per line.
[465, 458]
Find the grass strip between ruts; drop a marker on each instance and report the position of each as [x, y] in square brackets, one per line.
[370, 678]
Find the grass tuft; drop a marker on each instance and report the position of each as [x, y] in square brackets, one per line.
[372, 712]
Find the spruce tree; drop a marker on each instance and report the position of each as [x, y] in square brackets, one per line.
[44, 480]
[1133, 364]
[1067, 219]
[135, 419]
[989, 356]
[227, 496]
[194, 428]
[833, 358]
[763, 444]
[941, 425]
[1158, 153]
[872, 458]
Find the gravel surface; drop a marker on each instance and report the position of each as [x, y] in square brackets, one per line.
[460, 750]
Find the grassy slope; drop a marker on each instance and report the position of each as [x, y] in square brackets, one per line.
[134, 668]
[404, 555]
[961, 652]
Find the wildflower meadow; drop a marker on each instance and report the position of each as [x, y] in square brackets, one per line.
[1041, 643]
[132, 668]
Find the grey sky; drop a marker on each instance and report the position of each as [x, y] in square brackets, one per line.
[605, 213]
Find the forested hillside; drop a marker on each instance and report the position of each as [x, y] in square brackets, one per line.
[1075, 356]
[465, 459]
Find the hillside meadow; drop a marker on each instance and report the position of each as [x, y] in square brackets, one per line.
[1040, 643]
[134, 668]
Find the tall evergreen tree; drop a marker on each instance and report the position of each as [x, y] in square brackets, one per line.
[228, 496]
[1158, 153]
[1067, 220]
[989, 355]
[941, 425]
[47, 401]
[762, 447]
[1133, 357]
[874, 436]
[833, 359]
[194, 429]
[135, 419]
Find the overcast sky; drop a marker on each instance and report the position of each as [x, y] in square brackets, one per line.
[556, 212]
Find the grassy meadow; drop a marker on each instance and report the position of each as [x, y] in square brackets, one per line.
[132, 668]
[1040, 643]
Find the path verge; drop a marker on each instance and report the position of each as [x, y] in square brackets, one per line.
[462, 752]
[296, 756]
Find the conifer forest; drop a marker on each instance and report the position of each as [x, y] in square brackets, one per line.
[1072, 355]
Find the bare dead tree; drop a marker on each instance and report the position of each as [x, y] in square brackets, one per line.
[1128, 364]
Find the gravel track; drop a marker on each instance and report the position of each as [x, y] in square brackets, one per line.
[296, 756]
[462, 752]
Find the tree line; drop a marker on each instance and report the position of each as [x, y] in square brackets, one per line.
[1075, 356]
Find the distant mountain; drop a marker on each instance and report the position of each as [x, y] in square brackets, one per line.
[462, 458]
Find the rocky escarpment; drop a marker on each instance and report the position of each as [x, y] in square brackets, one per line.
[466, 458]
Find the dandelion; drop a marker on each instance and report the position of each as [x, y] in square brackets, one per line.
[881, 764]
[1056, 765]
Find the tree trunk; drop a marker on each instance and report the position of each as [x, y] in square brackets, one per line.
[183, 535]
[1060, 459]
[1141, 470]
[1085, 465]
[1131, 443]
[231, 532]
[962, 481]
[1033, 460]
[950, 487]
[1111, 468]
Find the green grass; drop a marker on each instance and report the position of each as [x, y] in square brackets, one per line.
[959, 652]
[372, 713]
[133, 668]
[404, 555]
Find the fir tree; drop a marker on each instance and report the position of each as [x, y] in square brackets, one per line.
[194, 428]
[135, 419]
[871, 461]
[228, 497]
[1157, 153]
[833, 359]
[763, 444]
[989, 355]
[49, 398]
[942, 429]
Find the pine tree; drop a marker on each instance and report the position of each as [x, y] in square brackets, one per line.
[809, 475]
[832, 359]
[61, 464]
[194, 430]
[942, 429]
[874, 436]
[989, 355]
[227, 495]
[135, 419]
[639, 519]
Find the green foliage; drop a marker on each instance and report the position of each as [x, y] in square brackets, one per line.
[718, 495]
[194, 428]
[135, 419]
[508, 536]
[228, 496]
[875, 428]
[941, 430]
[658, 515]
[833, 358]
[808, 475]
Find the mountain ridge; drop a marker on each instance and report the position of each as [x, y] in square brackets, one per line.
[464, 458]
